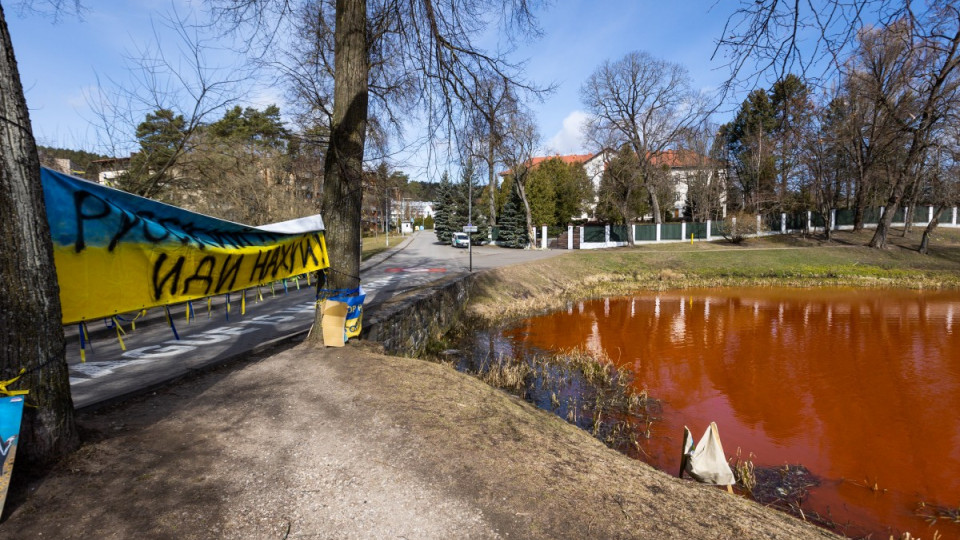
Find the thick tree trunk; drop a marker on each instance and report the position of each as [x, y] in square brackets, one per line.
[879, 239]
[31, 332]
[343, 165]
[932, 226]
[654, 203]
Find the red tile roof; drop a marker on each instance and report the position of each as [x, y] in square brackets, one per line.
[568, 159]
[681, 158]
[674, 159]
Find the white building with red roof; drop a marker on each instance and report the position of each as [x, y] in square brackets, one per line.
[684, 167]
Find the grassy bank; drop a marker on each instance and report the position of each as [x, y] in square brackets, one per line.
[523, 290]
[371, 245]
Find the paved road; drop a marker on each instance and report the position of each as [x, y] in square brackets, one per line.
[154, 356]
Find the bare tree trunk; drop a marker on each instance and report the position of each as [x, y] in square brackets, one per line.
[827, 230]
[654, 203]
[492, 182]
[343, 165]
[526, 206]
[879, 239]
[31, 331]
[932, 226]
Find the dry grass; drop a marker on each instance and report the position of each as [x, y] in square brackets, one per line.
[372, 245]
[908, 536]
[933, 513]
[604, 402]
[511, 376]
[743, 471]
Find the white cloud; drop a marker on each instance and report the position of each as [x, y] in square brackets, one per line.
[266, 96]
[569, 140]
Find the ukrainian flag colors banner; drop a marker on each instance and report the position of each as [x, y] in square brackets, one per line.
[116, 252]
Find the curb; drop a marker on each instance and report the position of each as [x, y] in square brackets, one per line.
[383, 256]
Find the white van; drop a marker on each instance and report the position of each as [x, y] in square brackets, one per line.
[460, 239]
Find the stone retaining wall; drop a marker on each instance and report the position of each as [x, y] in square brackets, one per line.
[405, 324]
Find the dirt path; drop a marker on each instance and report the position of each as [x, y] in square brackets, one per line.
[347, 443]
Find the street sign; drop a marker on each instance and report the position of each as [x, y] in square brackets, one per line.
[469, 228]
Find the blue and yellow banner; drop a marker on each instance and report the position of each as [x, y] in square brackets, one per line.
[11, 411]
[116, 252]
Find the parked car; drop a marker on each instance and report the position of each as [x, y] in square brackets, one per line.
[460, 239]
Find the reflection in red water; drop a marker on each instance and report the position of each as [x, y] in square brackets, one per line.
[860, 386]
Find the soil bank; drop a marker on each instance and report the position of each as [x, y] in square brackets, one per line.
[349, 443]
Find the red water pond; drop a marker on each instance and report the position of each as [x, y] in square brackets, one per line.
[860, 386]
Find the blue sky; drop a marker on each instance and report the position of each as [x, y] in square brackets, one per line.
[60, 61]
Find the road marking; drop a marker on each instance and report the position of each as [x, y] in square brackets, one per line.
[173, 347]
[415, 270]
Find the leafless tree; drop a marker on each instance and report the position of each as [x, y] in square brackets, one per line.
[863, 131]
[911, 51]
[178, 78]
[929, 62]
[705, 175]
[819, 167]
[518, 144]
[487, 129]
[644, 102]
[942, 182]
[765, 38]
[424, 52]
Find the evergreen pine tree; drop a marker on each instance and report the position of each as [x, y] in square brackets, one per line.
[483, 229]
[470, 184]
[459, 215]
[444, 210]
[513, 223]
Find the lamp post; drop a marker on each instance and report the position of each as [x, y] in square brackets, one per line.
[396, 193]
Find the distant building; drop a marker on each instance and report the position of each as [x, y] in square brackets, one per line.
[59, 164]
[66, 166]
[687, 166]
[111, 169]
[407, 210]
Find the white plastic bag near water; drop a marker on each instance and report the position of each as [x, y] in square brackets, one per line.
[706, 462]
